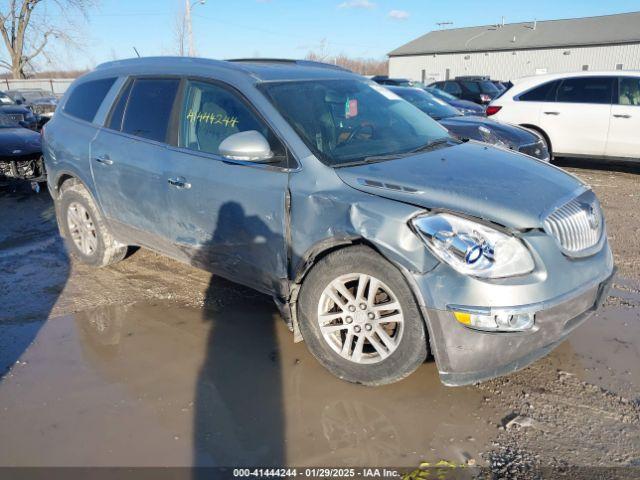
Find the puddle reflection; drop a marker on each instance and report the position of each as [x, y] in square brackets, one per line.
[230, 390]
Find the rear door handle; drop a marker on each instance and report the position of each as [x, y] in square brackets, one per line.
[552, 113]
[179, 183]
[622, 116]
[104, 159]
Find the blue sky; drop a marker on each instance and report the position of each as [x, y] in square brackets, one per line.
[289, 28]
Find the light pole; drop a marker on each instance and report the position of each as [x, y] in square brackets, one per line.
[187, 18]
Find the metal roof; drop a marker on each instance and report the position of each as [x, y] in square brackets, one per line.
[574, 32]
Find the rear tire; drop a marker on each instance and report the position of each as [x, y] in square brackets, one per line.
[369, 335]
[86, 234]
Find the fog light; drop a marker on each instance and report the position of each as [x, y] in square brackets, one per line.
[500, 322]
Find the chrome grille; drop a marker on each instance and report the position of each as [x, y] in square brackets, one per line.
[16, 117]
[577, 225]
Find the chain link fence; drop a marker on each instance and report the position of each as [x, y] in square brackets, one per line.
[56, 86]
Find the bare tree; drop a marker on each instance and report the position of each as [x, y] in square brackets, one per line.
[363, 66]
[180, 34]
[27, 35]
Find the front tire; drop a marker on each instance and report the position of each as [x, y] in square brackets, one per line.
[86, 234]
[359, 318]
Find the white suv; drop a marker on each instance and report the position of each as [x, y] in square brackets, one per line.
[590, 114]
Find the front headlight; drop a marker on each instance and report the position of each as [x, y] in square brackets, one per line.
[489, 136]
[473, 249]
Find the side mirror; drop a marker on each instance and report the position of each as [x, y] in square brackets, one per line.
[250, 146]
[18, 101]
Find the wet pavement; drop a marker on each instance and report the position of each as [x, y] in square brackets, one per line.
[153, 363]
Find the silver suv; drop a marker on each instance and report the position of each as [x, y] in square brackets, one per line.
[381, 238]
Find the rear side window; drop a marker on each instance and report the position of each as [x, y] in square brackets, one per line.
[148, 109]
[543, 93]
[594, 90]
[86, 98]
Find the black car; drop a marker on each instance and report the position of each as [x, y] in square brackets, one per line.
[475, 89]
[20, 152]
[18, 113]
[464, 106]
[397, 82]
[474, 128]
[41, 102]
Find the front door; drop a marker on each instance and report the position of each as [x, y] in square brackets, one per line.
[128, 160]
[227, 216]
[624, 131]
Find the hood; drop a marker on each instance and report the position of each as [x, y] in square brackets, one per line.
[45, 101]
[14, 109]
[16, 142]
[507, 188]
[468, 127]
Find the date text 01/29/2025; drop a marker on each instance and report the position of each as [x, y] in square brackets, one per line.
[316, 473]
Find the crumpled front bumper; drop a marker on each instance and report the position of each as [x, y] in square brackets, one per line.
[562, 298]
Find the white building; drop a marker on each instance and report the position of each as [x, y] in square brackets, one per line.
[506, 52]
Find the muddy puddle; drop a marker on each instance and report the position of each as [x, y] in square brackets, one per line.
[149, 385]
[165, 385]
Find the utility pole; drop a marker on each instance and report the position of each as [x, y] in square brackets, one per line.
[187, 19]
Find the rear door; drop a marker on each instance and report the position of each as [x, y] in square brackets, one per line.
[577, 123]
[226, 216]
[129, 159]
[624, 132]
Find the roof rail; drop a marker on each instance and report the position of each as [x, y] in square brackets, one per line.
[287, 61]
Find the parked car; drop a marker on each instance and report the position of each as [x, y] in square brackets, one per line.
[399, 82]
[464, 106]
[18, 113]
[20, 153]
[41, 102]
[585, 114]
[499, 85]
[481, 129]
[475, 89]
[378, 234]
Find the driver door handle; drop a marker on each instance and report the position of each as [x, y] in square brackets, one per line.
[104, 159]
[552, 113]
[619, 115]
[179, 182]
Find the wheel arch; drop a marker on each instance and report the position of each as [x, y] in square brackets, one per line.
[544, 134]
[330, 245]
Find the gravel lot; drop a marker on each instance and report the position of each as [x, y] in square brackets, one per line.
[194, 369]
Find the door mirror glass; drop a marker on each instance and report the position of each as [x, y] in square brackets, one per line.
[249, 146]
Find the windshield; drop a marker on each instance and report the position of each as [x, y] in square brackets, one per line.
[6, 99]
[349, 121]
[428, 103]
[484, 86]
[441, 93]
[30, 95]
[7, 122]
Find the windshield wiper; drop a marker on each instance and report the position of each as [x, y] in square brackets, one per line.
[431, 145]
[393, 156]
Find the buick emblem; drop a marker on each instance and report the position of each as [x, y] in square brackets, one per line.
[593, 216]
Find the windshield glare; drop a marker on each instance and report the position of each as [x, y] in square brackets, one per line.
[440, 93]
[345, 121]
[428, 103]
